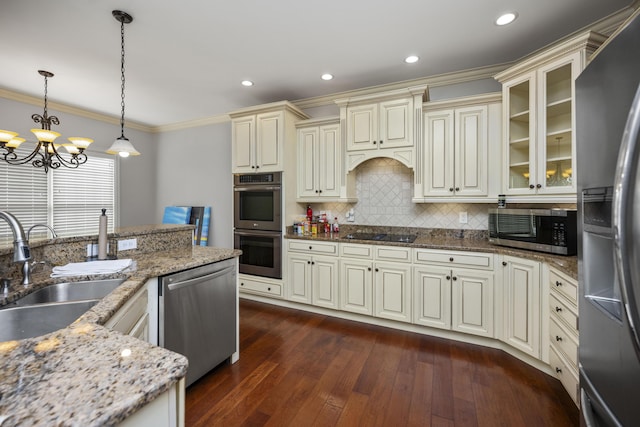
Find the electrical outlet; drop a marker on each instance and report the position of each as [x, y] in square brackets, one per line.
[128, 244]
[92, 249]
[463, 218]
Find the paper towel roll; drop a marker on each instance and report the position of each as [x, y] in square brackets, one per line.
[102, 236]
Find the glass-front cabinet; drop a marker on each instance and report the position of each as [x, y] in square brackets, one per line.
[539, 121]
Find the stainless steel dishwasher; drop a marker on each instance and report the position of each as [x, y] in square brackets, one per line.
[197, 315]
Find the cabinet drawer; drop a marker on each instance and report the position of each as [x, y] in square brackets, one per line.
[397, 254]
[563, 284]
[262, 288]
[313, 247]
[562, 311]
[130, 314]
[564, 342]
[564, 373]
[458, 259]
[356, 251]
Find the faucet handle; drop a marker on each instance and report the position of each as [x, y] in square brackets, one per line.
[5, 286]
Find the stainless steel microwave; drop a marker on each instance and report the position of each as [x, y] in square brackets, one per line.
[545, 230]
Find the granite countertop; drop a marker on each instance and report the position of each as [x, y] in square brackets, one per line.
[80, 375]
[456, 240]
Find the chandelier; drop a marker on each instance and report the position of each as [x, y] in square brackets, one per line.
[121, 145]
[46, 154]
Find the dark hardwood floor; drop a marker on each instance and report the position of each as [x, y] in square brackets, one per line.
[303, 369]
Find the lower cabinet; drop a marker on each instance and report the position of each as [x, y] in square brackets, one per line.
[457, 299]
[521, 304]
[132, 318]
[313, 280]
[166, 410]
[381, 289]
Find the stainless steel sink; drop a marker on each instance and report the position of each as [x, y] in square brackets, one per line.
[35, 320]
[70, 291]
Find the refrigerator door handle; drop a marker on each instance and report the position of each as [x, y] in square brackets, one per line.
[626, 169]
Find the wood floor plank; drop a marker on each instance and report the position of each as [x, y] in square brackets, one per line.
[303, 369]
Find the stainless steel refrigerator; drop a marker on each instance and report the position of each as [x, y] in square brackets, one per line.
[608, 150]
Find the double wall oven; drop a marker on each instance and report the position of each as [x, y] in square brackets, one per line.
[258, 223]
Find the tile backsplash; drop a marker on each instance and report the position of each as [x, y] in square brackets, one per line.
[384, 188]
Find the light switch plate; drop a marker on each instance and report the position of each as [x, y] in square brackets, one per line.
[463, 218]
[127, 244]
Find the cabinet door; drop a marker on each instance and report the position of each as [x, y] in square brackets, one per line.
[392, 299]
[472, 302]
[396, 124]
[432, 297]
[269, 141]
[521, 292]
[324, 278]
[356, 286]
[308, 162]
[520, 134]
[471, 151]
[300, 278]
[243, 137]
[556, 124]
[439, 153]
[362, 127]
[329, 161]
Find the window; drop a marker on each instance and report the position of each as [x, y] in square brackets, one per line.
[69, 200]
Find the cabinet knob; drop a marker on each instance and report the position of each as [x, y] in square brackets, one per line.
[531, 186]
[253, 167]
[269, 289]
[369, 268]
[381, 141]
[504, 263]
[308, 262]
[454, 278]
[451, 259]
[558, 309]
[313, 263]
[376, 270]
[539, 186]
[316, 191]
[375, 142]
[310, 247]
[241, 283]
[558, 283]
[320, 191]
[558, 338]
[448, 277]
[457, 188]
[451, 189]
[257, 166]
[558, 370]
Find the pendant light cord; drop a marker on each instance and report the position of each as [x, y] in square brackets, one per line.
[121, 78]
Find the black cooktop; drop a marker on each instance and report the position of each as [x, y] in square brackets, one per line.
[382, 237]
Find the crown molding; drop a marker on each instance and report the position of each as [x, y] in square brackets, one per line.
[445, 79]
[188, 124]
[114, 120]
[465, 101]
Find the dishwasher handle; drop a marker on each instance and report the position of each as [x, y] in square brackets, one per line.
[189, 282]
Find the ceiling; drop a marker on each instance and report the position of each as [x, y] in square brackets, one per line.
[185, 60]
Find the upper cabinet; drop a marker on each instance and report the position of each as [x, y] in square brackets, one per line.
[461, 145]
[261, 136]
[320, 165]
[539, 121]
[382, 125]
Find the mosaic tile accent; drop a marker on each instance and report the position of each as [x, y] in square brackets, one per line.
[384, 188]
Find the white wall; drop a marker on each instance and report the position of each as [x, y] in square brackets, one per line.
[194, 169]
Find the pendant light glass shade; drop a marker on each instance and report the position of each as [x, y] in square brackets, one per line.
[123, 148]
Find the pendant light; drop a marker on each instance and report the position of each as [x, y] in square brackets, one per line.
[121, 145]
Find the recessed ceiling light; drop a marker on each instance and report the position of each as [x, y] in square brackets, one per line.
[411, 59]
[327, 76]
[247, 83]
[506, 18]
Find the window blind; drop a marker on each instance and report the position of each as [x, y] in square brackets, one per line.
[69, 200]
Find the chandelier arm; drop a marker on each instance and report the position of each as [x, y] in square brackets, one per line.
[15, 160]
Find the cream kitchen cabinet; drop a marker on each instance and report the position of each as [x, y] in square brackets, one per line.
[313, 273]
[381, 125]
[522, 305]
[380, 286]
[320, 163]
[454, 290]
[261, 135]
[539, 121]
[166, 410]
[563, 331]
[133, 318]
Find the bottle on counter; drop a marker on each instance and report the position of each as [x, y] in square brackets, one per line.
[309, 213]
[335, 226]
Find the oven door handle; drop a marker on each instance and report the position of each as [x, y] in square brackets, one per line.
[257, 188]
[258, 233]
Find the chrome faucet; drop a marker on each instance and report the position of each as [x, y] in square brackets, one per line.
[21, 251]
[53, 232]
